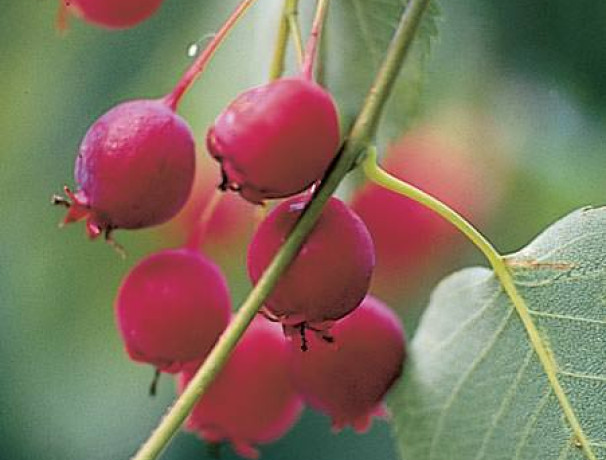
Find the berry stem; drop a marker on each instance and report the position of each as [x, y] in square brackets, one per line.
[174, 97]
[380, 177]
[289, 26]
[314, 38]
[359, 137]
[61, 21]
[196, 237]
[292, 17]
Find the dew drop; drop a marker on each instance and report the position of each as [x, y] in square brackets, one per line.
[194, 48]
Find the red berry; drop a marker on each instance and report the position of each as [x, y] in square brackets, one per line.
[348, 379]
[275, 140]
[252, 400]
[171, 308]
[113, 14]
[330, 275]
[135, 168]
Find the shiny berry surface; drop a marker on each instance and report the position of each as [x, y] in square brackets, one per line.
[113, 14]
[252, 401]
[135, 168]
[348, 378]
[275, 140]
[331, 273]
[171, 308]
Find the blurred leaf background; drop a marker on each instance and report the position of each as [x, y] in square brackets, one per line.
[523, 82]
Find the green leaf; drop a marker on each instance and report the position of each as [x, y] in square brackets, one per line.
[356, 39]
[474, 387]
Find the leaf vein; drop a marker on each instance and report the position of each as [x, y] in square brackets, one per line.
[565, 450]
[504, 404]
[567, 317]
[476, 362]
[469, 321]
[532, 421]
[571, 242]
[576, 375]
[562, 278]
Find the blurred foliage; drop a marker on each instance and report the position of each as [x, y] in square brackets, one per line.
[531, 72]
[357, 37]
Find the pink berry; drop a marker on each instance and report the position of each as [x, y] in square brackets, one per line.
[171, 308]
[348, 379]
[252, 401]
[113, 14]
[135, 168]
[331, 274]
[275, 140]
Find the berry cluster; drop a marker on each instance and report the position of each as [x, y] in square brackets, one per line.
[340, 351]
[260, 393]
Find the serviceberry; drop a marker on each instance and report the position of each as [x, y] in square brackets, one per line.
[331, 273]
[171, 308]
[135, 168]
[112, 14]
[275, 140]
[252, 401]
[348, 379]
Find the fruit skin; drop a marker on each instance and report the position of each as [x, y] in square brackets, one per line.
[113, 14]
[331, 273]
[348, 379]
[275, 140]
[171, 308]
[252, 400]
[135, 168]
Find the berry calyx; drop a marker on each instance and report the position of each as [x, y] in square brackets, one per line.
[110, 14]
[171, 308]
[348, 379]
[135, 168]
[252, 401]
[330, 275]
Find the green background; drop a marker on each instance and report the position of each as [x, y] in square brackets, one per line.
[534, 70]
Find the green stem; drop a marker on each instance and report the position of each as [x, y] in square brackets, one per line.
[361, 134]
[289, 25]
[295, 31]
[380, 177]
